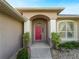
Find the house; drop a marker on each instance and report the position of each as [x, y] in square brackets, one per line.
[43, 21]
[11, 30]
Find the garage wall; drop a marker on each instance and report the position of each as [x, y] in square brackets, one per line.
[10, 36]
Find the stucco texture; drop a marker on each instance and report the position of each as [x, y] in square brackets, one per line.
[10, 36]
[50, 14]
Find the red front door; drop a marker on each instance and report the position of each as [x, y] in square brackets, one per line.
[38, 32]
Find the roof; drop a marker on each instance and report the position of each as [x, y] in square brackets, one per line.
[9, 10]
[68, 16]
[43, 9]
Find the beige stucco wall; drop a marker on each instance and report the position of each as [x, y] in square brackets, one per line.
[77, 27]
[49, 14]
[51, 23]
[10, 36]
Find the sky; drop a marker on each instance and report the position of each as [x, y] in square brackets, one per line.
[71, 6]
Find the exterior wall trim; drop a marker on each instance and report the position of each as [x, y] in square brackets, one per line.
[68, 17]
[58, 10]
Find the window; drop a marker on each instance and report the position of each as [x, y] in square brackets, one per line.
[67, 30]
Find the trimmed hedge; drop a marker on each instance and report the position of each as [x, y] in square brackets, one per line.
[23, 54]
[70, 45]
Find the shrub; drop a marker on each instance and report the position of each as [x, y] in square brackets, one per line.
[56, 39]
[26, 38]
[23, 54]
[69, 45]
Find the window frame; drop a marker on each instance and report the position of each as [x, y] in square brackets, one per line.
[74, 31]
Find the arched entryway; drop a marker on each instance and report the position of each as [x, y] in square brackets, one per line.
[39, 28]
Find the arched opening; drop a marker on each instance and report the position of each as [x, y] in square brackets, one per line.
[39, 28]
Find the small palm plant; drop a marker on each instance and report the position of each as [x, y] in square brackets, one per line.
[26, 38]
[56, 39]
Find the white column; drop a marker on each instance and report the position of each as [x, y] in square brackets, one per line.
[52, 25]
[27, 26]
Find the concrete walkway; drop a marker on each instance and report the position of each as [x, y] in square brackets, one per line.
[40, 51]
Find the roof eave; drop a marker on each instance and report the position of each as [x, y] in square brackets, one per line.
[58, 10]
[9, 10]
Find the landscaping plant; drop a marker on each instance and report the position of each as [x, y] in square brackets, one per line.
[23, 54]
[55, 39]
[69, 45]
[26, 38]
